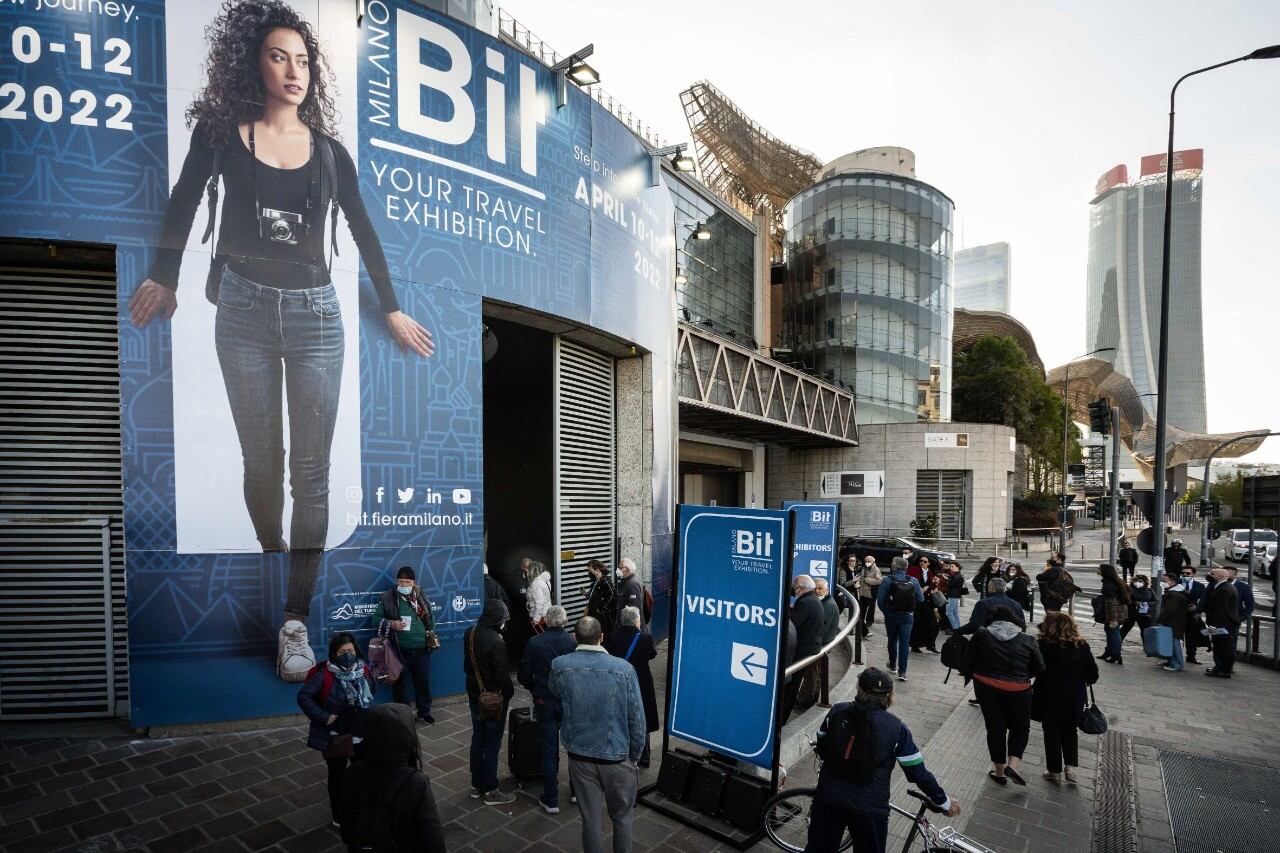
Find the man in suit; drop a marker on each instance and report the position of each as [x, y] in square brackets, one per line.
[1247, 603]
[1194, 590]
[1221, 606]
[808, 617]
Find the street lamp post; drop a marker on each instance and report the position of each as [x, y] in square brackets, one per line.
[1066, 425]
[1208, 464]
[1162, 369]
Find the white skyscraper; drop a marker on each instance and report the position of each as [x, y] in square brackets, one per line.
[1126, 240]
[983, 278]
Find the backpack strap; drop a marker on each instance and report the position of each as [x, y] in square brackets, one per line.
[215, 173]
[329, 191]
[632, 648]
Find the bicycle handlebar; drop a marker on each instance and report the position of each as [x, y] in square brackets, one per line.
[928, 803]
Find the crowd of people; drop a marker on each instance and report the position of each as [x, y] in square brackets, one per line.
[592, 692]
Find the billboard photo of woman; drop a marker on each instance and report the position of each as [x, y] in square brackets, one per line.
[264, 133]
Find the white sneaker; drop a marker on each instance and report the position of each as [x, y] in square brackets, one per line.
[294, 658]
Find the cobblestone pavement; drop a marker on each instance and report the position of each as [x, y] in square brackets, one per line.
[90, 788]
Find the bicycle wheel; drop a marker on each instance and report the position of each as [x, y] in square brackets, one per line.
[786, 820]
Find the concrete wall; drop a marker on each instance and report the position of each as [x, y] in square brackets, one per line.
[899, 451]
[634, 449]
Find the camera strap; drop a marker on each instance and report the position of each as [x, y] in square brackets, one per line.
[328, 187]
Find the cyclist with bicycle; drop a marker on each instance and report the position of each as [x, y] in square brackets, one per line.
[859, 743]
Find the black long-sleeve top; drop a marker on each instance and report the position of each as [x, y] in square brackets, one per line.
[288, 267]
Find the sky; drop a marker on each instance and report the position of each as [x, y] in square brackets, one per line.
[1013, 109]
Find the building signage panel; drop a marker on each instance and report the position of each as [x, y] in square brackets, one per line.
[1157, 164]
[731, 597]
[261, 481]
[946, 439]
[853, 484]
[1116, 177]
[817, 528]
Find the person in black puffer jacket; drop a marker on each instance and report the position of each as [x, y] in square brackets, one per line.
[390, 774]
[1115, 596]
[335, 697]
[484, 649]
[1059, 694]
[1002, 661]
[1141, 605]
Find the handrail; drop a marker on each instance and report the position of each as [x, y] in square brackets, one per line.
[825, 650]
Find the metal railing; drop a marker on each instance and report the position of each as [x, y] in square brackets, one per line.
[856, 611]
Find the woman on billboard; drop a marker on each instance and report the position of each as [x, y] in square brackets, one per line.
[264, 129]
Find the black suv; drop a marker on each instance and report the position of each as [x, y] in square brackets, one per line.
[885, 548]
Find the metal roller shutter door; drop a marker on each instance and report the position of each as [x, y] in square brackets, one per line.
[941, 493]
[584, 468]
[63, 643]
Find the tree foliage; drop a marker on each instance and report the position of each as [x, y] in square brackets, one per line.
[994, 382]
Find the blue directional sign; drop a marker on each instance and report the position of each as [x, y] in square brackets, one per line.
[817, 528]
[727, 650]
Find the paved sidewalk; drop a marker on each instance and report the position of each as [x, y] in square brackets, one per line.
[95, 788]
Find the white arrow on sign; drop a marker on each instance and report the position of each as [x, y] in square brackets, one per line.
[749, 663]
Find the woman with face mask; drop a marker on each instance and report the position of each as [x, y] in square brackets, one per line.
[405, 616]
[1141, 602]
[869, 578]
[335, 697]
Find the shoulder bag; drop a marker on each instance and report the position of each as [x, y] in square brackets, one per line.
[1092, 721]
[490, 701]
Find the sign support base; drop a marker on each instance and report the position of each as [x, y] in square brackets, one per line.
[694, 819]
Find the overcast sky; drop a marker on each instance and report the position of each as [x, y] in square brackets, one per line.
[1014, 109]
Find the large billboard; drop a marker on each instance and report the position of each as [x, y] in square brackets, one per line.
[300, 347]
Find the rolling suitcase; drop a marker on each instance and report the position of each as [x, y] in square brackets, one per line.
[524, 746]
[1157, 641]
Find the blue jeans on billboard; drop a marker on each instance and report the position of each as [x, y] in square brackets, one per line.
[417, 665]
[549, 713]
[273, 343]
[953, 613]
[897, 626]
[486, 743]
[1115, 641]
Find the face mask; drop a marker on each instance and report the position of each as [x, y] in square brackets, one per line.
[347, 660]
[404, 590]
[1140, 585]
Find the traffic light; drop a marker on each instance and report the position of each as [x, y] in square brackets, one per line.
[1100, 417]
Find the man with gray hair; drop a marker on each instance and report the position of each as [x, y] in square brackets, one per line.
[630, 590]
[603, 730]
[535, 669]
[996, 597]
[634, 645]
[809, 622]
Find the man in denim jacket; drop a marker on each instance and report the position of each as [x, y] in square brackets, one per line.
[603, 730]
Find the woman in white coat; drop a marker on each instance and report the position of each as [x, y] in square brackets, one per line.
[537, 593]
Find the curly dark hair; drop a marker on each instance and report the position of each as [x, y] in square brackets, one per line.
[233, 93]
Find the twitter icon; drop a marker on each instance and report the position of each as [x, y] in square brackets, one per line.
[405, 495]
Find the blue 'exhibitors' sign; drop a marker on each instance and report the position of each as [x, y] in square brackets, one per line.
[817, 526]
[731, 593]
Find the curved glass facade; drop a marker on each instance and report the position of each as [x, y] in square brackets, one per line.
[868, 295]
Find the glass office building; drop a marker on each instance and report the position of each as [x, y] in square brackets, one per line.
[867, 299]
[1126, 239]
[982, 276]
[717, 290]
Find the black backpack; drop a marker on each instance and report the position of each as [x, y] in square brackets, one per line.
[847, 746]
[953, 654]
[902, 596]
[372, 826]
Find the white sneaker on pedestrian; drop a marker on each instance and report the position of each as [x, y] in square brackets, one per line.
[476, 794]
[548, 808]
[294, 658]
